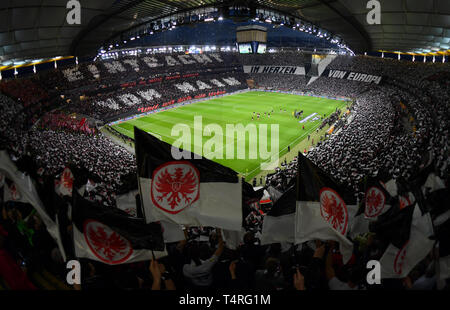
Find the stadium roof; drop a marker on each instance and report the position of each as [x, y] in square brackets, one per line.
[33, 29]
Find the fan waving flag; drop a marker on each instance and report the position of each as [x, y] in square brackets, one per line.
[110, 236]
[325, 209]
[195, 192]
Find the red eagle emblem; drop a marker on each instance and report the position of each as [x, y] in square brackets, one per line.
[175, 186]
[399, 260]
[15, 194]
[107, 245]
[404, 202]
[375, 202]
[67, 181]
[333, 209]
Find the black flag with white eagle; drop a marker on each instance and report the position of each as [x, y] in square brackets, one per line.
[325, 208]
[110, 236]
[194, 191]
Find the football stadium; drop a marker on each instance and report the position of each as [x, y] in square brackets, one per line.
[240, 109]
[202, 147]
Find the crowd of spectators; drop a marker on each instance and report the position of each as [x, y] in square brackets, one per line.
[392, 126]
[123, 69]
[105, 160]
[382, 136]
[117, 102]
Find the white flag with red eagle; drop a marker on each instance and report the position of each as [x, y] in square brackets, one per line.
[12, 193]
[325, 209]
[110, 236]
[195, 192]
[127, 203]
[376, 201]
[64, 184]
[25, 186]
[408, 233]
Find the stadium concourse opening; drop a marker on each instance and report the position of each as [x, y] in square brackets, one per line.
[224, 146]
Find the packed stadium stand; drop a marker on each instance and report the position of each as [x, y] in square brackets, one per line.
[59, 154]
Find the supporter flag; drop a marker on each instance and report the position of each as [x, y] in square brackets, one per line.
[195, 192]
[172, 232]
[325, 209]
[64, 185]
[233, 239]
[90, 185]
[432, 184]
[112, 237]
[440, 213]
[274, 194]
[376, 201]
[279, 222]
[30, 195]
[407, 232]
[404, 192]
[127, 203]
[442, 226]
[12, 193]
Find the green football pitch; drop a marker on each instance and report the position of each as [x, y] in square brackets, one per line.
[234, 110]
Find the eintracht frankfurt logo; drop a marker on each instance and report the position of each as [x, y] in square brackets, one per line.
[333, 209]
[404, 202]
[15, 195]
[175, 186]
[107, 245]
[375, 202]
[399, 260]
